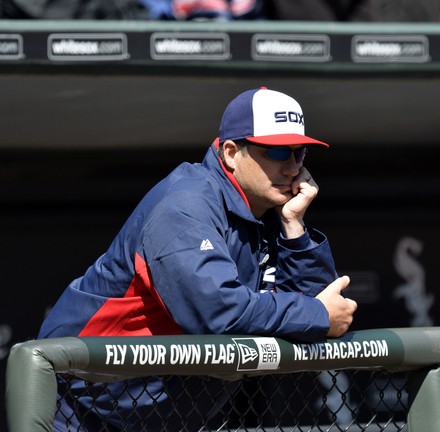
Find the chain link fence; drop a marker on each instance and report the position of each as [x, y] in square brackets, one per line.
[349, 400]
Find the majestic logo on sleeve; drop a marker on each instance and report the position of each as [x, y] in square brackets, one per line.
[259, 353]
[206, 245]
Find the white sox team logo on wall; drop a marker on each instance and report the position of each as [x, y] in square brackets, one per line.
[260, 353]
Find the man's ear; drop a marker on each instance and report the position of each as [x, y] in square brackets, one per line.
[230, 150]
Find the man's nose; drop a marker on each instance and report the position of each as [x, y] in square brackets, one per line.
[291, 167]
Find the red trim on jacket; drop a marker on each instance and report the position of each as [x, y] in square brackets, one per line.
[141, 312]
[231, 177]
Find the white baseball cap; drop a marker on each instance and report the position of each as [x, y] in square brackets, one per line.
[265, 117]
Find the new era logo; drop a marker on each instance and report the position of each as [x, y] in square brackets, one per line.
[247, 353]
[206, 245]
[258, 353]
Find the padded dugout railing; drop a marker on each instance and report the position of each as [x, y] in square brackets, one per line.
[31, 390]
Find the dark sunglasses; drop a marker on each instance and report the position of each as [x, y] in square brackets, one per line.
[283, 153]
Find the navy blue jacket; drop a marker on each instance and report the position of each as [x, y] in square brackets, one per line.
[193, 259]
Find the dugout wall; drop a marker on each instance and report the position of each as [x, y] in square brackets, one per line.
[85, 134]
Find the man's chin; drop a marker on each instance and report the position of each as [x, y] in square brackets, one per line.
[287, 196]
[283, 199]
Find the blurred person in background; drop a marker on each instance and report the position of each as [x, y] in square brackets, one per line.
[223, 10]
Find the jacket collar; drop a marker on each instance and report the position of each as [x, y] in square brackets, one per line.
[236, 200]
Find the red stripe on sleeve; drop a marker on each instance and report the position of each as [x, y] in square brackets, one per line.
[141, 312]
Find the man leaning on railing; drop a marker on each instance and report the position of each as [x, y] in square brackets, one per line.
[219, 247]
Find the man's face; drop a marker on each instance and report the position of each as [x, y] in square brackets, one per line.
[266, 182]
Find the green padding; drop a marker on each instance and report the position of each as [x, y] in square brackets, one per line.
[424, 393]
[228, 355]
[236, 356]
[31, 385]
